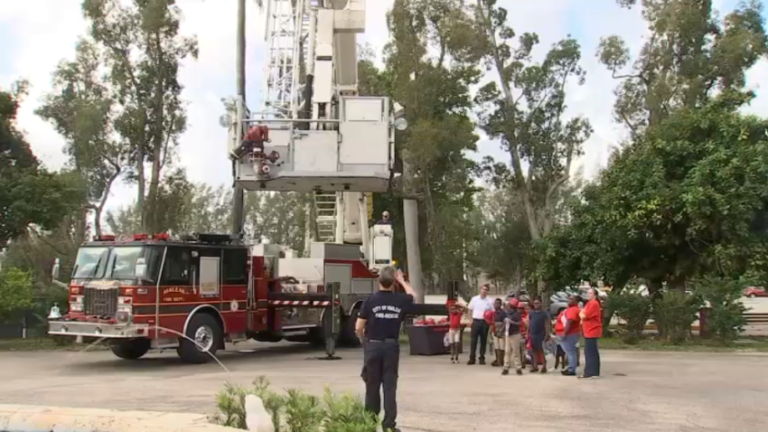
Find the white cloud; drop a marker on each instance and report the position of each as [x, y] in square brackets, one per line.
[44, 32]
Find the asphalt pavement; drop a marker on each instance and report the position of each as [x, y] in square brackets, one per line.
[639, 391]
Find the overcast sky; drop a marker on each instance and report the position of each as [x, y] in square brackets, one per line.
[36, 34]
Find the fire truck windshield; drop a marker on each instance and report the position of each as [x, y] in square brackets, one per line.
[115, 262]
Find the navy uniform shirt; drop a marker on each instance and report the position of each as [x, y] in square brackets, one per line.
[384, 312]
[537, 320]
[513, 315]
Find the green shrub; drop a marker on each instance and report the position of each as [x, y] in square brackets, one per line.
[674, 312]
[726, 311]
[347, 413]
[296, 411]
[231, 406]
[633, 308]
[303, 412]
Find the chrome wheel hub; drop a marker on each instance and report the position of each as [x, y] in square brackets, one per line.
[204, 338]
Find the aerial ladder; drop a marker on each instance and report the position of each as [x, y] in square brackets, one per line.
[314, 133]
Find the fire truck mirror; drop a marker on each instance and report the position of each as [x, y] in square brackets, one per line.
[56, 269]
[141, 268]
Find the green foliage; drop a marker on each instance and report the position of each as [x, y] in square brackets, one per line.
[29, 194]
[195, 207]
[296, 411]
[15, 293]
[231, 405]
[347, 413]
[81, 108]
[542, 144]
[674, 312]
[500, 239]
[430, 67]
[633, 308]
[690, 54]
[142, 50]
[303, 412]
[725, 317]
[684, 199]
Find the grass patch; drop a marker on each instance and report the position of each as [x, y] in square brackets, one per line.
[753, 344]
[46, 344]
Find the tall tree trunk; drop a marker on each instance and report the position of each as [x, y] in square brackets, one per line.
[158, 138]
[141, 206]
[411, 226]
[100, 208]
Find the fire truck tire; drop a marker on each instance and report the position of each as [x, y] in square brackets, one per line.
[317, 335]
[131, 349]
[348, 336]
[208, 335]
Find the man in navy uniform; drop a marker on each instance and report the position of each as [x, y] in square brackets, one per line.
[378, 325]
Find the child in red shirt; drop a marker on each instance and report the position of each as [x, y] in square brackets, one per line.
[455, 311]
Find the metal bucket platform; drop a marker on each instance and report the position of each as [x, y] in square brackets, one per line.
[355, 153]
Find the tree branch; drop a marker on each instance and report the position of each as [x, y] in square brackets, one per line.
[41, 238]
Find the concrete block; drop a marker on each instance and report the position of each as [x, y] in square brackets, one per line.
[256, 416]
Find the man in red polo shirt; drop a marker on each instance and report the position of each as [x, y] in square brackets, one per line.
[568, 332]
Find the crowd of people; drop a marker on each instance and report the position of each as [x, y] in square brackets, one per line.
[521, 333]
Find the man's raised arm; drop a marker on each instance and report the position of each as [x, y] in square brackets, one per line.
[403, 283]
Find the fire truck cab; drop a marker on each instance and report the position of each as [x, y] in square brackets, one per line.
[198, 292]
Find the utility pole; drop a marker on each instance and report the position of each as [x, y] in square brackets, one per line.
[411, 224]
[238, 216]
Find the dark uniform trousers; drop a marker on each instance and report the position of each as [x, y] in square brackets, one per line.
[380, 369]
[479, 331]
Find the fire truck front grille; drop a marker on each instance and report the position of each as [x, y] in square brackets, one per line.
[100, 302]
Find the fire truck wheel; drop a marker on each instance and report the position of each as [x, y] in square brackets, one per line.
[207, 335]
[348, 336]
[131, 349]
[317, 335]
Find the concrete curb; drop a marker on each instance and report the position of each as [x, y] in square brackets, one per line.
[28, 418]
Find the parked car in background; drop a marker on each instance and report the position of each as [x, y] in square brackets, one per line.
[521, 296]
[557, 304]
[753, 292]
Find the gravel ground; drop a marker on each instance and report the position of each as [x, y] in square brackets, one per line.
[639, 391]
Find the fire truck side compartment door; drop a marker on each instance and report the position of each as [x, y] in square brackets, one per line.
[209, 276]
[341, 273]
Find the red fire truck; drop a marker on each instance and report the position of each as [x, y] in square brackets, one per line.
[198, 292]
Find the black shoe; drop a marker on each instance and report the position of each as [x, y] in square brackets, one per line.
[519, 372]
[568, 373]
[534, 370]
[505, 372]
[471, 362]
[482, 361]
